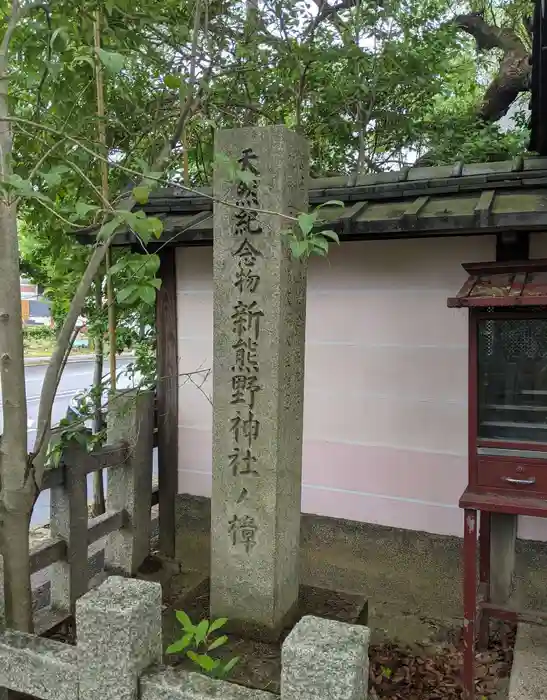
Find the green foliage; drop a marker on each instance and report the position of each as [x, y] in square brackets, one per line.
[369, 87]
[111, 60]
[31, 333]
[196, 642]
[135, 277]
[308, 236]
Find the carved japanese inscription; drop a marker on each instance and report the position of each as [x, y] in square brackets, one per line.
[245, 384]
[259, 313]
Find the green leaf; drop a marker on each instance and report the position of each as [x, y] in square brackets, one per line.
[81, 438]
[321, 243]
[298, 248]
[226, 166]
[245, 176]
[332, 203]
[22, 186]
[229, 666]
[172, 81]
[118, 267]
[155, 226]
[217, 624]
[181, 644]
[152, 264]
[307, 222]
[201, 631]
[184, 620]
[59, 32]
[217, 643]
[319, 250]
[83, 59]
[83, 209]
[205, 662]
[112, 61]
[156, 283]
[141, 194]
[125, 293]
[153, 178]
[148, 295]
[54, 176]
[332, 235]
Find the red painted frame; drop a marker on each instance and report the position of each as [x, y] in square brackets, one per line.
[478, 609]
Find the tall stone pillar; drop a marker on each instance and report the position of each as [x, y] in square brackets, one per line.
[258, 379]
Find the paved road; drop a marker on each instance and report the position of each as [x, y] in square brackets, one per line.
[76, 377]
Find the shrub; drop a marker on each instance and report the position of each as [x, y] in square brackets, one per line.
[31, 333]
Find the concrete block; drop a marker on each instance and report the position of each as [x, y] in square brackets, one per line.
[129, 486]
[119, 635]
[325, 660]
[174, 684]
[39, 667]
[503, 539]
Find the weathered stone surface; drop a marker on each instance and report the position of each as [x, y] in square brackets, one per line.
[119, 635]
[259, 328]
[68, 508]
[503, 542]
[175, 684]
[529, 672]
[129, 486]
[40, 667]
[325, 660]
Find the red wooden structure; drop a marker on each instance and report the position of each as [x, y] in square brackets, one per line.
[507, 423]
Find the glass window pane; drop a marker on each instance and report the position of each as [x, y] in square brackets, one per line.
[512, 377]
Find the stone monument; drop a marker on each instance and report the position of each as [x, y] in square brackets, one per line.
[258, 379]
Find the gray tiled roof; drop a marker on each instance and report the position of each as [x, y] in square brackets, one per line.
[442, 200]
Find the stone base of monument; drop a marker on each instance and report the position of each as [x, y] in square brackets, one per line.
[260, 655]
[176, 582]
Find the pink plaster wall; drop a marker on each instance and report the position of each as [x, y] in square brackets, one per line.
[385, 417]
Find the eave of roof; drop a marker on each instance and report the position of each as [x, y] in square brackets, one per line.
[444, 200]
[503, 285]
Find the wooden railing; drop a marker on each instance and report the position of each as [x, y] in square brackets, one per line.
[129, 496]
[108, 457]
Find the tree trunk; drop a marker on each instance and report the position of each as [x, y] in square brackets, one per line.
[20, 473]
[513, 76]
[99, 505]
[16, 553]
[18, 485]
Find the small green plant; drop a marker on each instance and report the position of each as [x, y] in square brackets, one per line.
[196, 643]
[304, 240]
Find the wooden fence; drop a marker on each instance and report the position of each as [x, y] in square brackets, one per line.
[129, 498]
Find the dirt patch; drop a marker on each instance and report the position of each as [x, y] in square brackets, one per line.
[400, 673]
[397, 672]
[260, 662]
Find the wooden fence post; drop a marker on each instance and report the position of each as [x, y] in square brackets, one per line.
[168, 392]
[68, 521]
[129, 486]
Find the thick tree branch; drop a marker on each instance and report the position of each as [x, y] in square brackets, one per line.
[515, 69]
[487, 36]
[513, 76]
